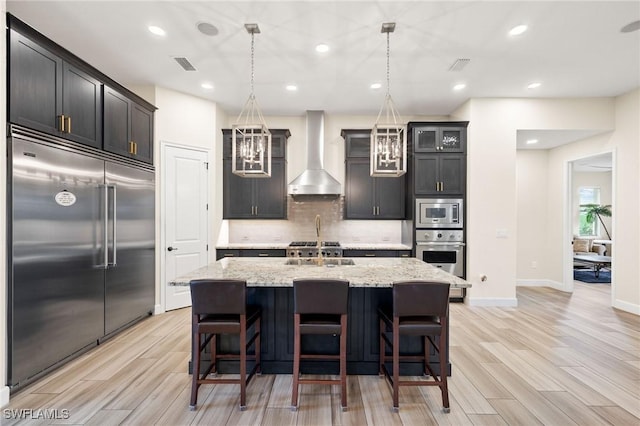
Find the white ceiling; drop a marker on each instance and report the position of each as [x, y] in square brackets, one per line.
[574, 48]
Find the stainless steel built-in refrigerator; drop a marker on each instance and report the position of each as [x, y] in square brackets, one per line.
[81, 246]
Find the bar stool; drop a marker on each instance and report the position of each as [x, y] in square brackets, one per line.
[220, 307]
[320, 307]
[420, 308]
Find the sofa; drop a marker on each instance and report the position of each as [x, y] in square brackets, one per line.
[586, 246]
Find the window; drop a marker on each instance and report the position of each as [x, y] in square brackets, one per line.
[588, 195]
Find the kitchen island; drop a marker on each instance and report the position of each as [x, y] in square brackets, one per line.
[270, 282]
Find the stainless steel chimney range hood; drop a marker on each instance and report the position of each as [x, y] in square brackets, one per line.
[315, 180]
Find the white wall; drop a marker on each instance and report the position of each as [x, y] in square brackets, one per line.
[492, 230]
[187, 121]
[531, 193]
[624, 142]
[626, 193]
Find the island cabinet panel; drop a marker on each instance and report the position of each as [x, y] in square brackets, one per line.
[375, 253]
[49, 94]
[362, 341]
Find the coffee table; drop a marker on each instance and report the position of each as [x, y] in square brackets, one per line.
[598, 262]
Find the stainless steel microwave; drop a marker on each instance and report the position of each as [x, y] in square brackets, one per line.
[439, 213]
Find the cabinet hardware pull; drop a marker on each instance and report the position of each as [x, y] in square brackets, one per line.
[441, 186]
[263, 254]
[130, 147]
[370, 255]
[135, 148]
[68, 129]
[256, 210]
[378, 211]
[374, 210]
[61, 123]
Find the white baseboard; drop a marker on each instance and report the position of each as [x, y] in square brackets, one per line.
[4, 396]
[493, 301]
[627, 307]
[158, 309]
[542, 283]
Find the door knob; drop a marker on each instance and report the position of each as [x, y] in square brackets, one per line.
[172, 248]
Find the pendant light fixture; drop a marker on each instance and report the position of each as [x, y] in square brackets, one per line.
[388, 136]
[251, 138]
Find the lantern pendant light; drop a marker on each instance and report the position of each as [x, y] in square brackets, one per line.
[251, 138]
[388, 153]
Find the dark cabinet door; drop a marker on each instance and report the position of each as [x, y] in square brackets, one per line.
[237, 194]
[440, 174]
[51, 95]
[116, 122]
[390, 197]
[256, 198]
[142, 132]
[357, 143]
[426, 174]
[452, 174]
[359, 191]
[368, 197]
[128, 127]
[270, 195]
[439, 138]
[35, 85]
[82, 106]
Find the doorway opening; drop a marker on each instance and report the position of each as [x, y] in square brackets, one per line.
[590, 218]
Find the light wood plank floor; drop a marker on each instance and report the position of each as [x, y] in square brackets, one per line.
[556, 359]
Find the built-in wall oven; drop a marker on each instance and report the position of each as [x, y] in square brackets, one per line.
[443, 249]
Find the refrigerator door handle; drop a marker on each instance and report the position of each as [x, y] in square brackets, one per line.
[114, 227]
[105, 228]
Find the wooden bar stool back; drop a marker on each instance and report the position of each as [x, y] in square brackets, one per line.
[220, 307]
[420, 308]
[320, 307]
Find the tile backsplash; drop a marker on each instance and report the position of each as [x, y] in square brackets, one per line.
[300, 225]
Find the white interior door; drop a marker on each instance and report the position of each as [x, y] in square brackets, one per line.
[185, 207]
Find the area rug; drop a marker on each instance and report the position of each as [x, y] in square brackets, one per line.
[587, 276]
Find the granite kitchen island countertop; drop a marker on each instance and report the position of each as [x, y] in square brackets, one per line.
[365, 272]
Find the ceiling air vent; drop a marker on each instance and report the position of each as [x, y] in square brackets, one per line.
[459, 64]
[184, 63]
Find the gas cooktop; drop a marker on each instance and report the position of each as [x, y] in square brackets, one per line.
[310, 249]
[314, 244]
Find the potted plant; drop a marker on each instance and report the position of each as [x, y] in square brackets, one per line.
[594, 211]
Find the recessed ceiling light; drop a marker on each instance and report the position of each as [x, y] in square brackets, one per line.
[534, 85]
[322, 48]
[532, 141]
[459, 86]
[292, 87]
[207, 86]
[156, 30]
[517, 30]
[376, 86]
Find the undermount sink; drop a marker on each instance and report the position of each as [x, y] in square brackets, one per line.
[314, 261]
